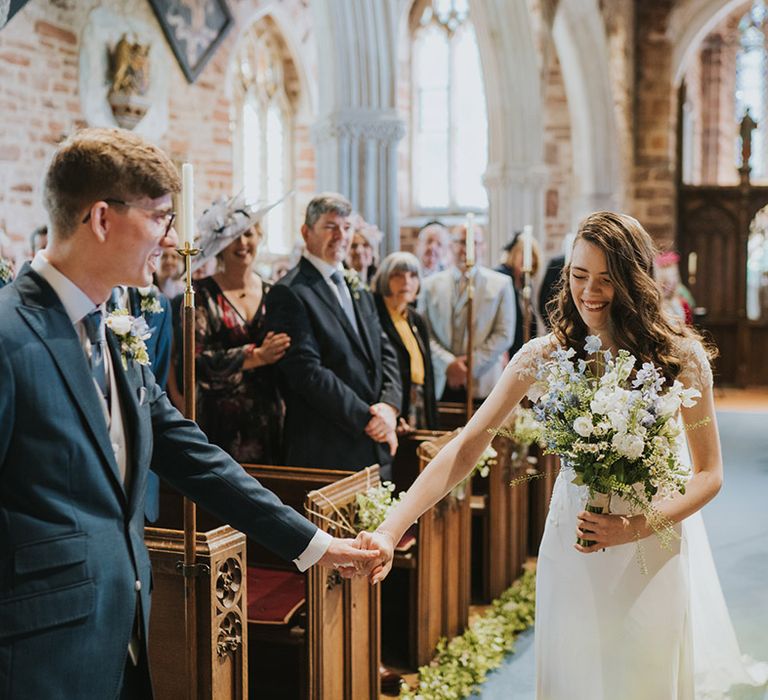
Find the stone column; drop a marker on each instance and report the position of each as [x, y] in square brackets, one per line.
[515, 198]
[357, 156]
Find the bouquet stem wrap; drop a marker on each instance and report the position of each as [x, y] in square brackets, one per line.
[598, 503]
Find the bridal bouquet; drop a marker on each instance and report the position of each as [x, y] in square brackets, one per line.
[615, 426]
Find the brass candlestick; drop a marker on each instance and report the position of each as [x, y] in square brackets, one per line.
[470, 339]
[188, 566]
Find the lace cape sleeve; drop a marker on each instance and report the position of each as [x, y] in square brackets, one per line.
[696, 370]
[529, 358]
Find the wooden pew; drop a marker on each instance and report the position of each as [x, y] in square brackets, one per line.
[540, 491]
[429, 587]
[500, 522]
[287, 646]
[222, 660]
[500, 515]
[344, 630]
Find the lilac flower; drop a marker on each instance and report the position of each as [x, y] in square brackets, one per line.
[592, 344]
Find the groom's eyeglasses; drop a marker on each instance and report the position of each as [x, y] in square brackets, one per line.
[169, 215]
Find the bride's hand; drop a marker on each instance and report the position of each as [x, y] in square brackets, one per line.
[383, 541]
[607, 530]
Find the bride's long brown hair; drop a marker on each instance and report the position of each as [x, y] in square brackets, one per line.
[639, 323]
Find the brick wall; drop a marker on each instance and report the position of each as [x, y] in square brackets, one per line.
[557, 157]
[653, 194]
[40, 103]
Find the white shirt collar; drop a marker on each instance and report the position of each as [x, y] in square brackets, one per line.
[324, 268]
[76, 302]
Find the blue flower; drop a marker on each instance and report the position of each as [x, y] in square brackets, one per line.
[593, 344]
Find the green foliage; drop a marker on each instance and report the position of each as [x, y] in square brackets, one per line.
[373, 506]
[462, 664]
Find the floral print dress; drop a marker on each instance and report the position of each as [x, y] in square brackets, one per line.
[239, 410]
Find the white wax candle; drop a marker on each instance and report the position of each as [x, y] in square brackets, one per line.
[187, 205]
[470, 239]
[692, 262]
[528, 248]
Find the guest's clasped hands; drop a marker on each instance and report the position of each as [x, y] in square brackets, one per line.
[381, 427]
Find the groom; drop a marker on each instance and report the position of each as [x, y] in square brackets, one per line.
[81, 422]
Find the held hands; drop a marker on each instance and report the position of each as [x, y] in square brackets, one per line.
[383, 543]
[349, 557]
[456, 373]
[608, 530]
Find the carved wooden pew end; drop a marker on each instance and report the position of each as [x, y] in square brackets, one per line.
[427, 594]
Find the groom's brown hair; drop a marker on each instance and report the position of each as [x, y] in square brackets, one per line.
[97, 164]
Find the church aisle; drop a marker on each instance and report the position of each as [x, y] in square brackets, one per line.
[737, 525]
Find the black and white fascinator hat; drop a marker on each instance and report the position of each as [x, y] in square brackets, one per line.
[225, 220]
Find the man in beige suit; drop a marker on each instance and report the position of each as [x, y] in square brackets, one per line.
[443, 303]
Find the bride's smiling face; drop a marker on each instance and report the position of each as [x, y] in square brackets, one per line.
[591, 287]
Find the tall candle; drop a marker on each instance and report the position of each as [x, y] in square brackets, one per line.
[187, 205]
[527, 248]
[470, 239]
[692, 262]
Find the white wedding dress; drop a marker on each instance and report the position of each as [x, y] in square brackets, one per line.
[607, 631]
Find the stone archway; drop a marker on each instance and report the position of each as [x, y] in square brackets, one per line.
[516, 175]
[689, 22]
[276, 24]
[582, 47]
[358, 127]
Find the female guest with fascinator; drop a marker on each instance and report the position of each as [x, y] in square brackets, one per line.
[364, 249]
[395, 288]
[238, 404]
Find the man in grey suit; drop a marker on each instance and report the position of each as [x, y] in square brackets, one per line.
[82, 420]
[443, 302]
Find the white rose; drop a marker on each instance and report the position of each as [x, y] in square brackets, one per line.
[583, 426]
[634, 446]
[601, 401]
[618, 421]
[119, 323]
[628, 445]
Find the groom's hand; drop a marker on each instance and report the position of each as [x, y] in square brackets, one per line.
[383, 542]
[348, 557]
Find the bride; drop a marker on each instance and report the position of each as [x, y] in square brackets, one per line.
[608, 628]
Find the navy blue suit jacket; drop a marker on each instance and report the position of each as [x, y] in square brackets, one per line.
[159, 351]
[330, 375]
[71, 537]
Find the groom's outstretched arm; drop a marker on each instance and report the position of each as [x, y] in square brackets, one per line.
[203, 472]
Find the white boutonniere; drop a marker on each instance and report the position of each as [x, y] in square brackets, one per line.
[131, 332]
[355, 284]
[150, 304]
[6, 271]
